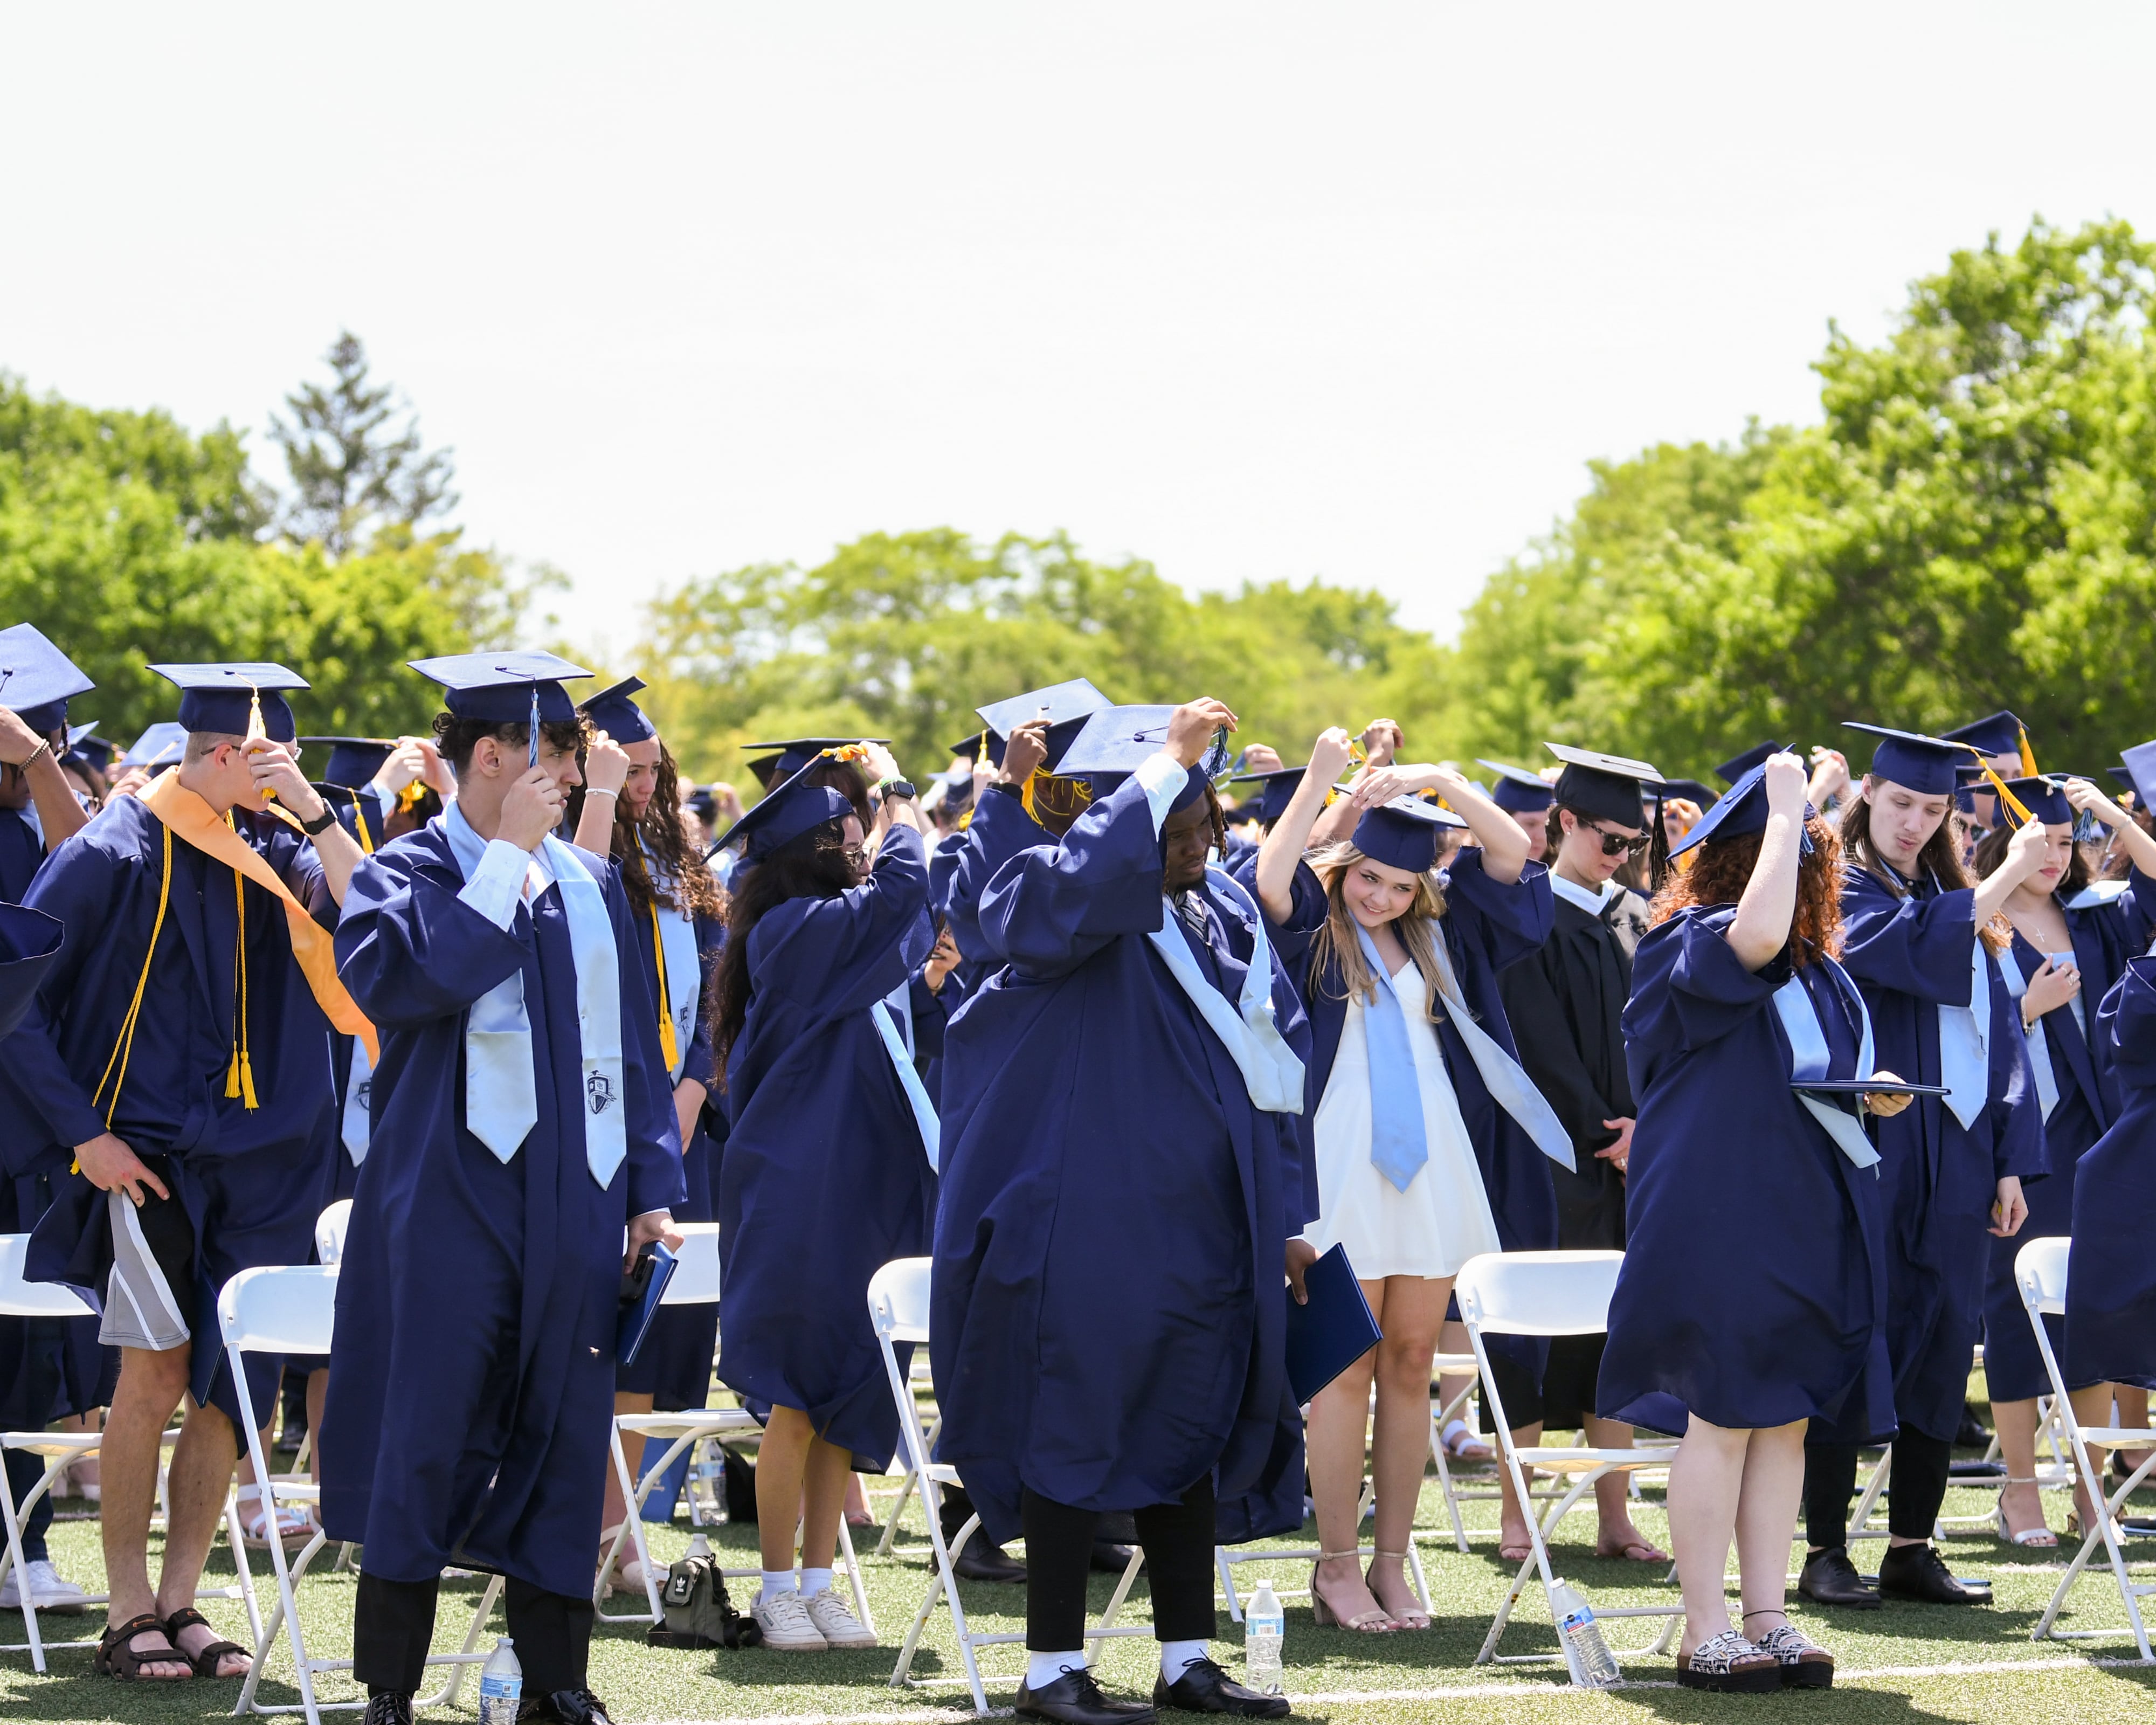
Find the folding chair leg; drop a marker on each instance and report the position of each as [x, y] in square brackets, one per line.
[1421, 1581]
[1445, 1479]
[853, 1568]
[1228, 1583]
[1861, 1516]
[1115, 1604]
[897, 1509]
[945, 1586]
[448, 1698]
[235, 1538]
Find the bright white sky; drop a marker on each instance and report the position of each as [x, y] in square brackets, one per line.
[1254, 290]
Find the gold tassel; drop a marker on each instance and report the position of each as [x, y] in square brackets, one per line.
[2028, 754]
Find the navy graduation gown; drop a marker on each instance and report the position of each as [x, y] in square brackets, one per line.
[1109, 1299]
[2104, 937]
[22, 853]
[2110, 1279]
[252, 1180]
[825, 1179]
[1753, 1288]
[1911, 955]
[958, 873]
[472, 1394]
[673, 1366]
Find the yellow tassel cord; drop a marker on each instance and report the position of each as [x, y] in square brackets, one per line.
[669, 1045]
[2028, 754]
[257, 731]
[1063, 797]
[240, 1076]
[124, 1045]
[2013, 804]
[359, 824]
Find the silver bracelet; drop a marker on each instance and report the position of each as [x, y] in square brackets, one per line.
[593, 790]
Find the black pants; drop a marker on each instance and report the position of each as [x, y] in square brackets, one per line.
[1915, 1490]
[1177, 1538]
[393, 1627]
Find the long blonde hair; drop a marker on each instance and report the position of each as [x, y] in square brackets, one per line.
[1336, 942]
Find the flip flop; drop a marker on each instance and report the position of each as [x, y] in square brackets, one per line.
[1633, 1551]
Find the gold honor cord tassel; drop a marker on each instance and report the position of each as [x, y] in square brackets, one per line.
[2013, 804]
[670, 1045]
[124, 1045]
[2028, 754]
[239, 1075]
[359, 824]
[257, 731]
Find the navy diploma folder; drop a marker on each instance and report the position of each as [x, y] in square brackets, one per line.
[1334, 1330]
[642, 1289]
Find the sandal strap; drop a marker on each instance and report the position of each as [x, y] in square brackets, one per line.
[127, 1631]
[186, 1618]
[1326, 1556]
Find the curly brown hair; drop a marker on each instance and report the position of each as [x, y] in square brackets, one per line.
[665, 840]
[1722, 868]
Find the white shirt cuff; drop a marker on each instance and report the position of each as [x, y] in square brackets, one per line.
[498, 882]
[1163, 778]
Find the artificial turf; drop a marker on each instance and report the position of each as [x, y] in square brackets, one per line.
[1904, 1663]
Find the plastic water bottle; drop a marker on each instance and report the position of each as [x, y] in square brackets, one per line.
[1264, 1627]
[698, 1546]
[501, 1685]
[1594, 1666]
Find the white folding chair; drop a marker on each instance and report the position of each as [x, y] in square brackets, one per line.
[292, 1309]
[1550, 1294]
[2040, 1271]
[898, 1306]
[36, 1299]
[696, 1283]
[330, 1229]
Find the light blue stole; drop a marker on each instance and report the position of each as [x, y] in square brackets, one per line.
[501, 1084]
[1509, 1085]
[2039, 1045]
[355, 1125]
[1399, 1145]
[901, 1063]
[1810, 1057]
[1271, 1071]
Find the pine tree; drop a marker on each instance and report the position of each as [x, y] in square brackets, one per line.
[351, 473]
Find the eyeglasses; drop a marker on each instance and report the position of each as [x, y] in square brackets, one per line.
[856, 855]
[1617, 845]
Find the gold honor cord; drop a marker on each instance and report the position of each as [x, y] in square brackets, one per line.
[1044, 792]
[124, 1045]
[670, 1045]
[239, 1075]
[2014, 805]
[359, 822]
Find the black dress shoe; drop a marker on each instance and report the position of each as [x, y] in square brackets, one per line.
[1972, 1434]
[564, 1706]
[982, 1561]
[1075, 1699]
[1204, 1688]
[1829, 1579]
[1917, 1572]
[388, 1708]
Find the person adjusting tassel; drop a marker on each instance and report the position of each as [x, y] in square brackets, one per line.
[523, 1127]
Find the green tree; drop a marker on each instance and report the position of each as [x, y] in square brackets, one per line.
[351, 472]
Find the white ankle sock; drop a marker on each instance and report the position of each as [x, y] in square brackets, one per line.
[815, 1581]
[1042, 1669]
[779, 1581]
[1176, 1654]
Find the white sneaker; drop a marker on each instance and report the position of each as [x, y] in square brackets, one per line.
[49, 1590]
[839, 1627]
[787, 1625]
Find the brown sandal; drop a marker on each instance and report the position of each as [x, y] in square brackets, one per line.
[115, 1658]
[206, 1661]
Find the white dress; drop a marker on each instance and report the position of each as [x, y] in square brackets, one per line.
[1443, 1219]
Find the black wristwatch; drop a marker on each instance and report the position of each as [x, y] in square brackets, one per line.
[314, 828]
[897, 787]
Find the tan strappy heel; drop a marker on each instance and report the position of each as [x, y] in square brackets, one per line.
[1414, 1617]
[1376, 1622]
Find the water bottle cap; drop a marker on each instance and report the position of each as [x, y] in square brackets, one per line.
[502, 1642]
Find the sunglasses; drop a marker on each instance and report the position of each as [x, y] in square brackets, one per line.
[1617, 845]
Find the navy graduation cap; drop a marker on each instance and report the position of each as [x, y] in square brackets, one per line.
[969, 749]
[2141, 770]
[86, 746]
[1404, 833]
[788, 757]
[1519, 791]
[1276, 790]
[2044, 798]
[1066, 707]
[160, 746]
[613, 711]
[504, 688]
[1115, 741]
[1607, 786]
[1692, 791]
[1909, 758]
[223, 698]
[36, 679]
[788, 810]
[1736, 766]
[1741, 810]
[1995, 734]
[354, 761]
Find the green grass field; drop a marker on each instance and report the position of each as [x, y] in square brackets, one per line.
[1905, 1663]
